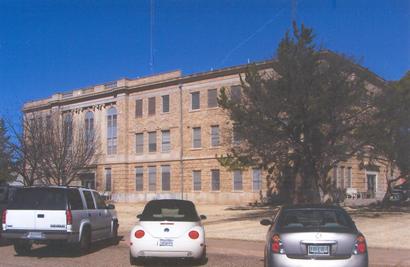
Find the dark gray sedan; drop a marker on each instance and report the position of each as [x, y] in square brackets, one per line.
[314, 235]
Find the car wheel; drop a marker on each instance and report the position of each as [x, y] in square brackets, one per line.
[114, 238]
[85, 241]
[22, 247]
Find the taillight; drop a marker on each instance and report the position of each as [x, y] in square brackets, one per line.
[276, 245]
[69, 217]
[4, 217]
[193, 234]
[360, 245]
[139, 234]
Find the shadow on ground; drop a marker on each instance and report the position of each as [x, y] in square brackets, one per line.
[66, 251]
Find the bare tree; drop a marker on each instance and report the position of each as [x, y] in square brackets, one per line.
[69, 147]
[53, 148]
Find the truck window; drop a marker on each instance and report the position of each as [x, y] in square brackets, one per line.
[74, 198]
[100, 202]
[39, 198]
[89, 200]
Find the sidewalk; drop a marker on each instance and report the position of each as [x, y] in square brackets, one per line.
[377, 257]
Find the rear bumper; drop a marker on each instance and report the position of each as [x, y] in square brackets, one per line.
[283, 261]
[40, 236]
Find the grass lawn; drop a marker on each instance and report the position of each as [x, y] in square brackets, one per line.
[382, 228]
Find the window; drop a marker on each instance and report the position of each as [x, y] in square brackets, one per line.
[139, 143]
[89, 125]
[196, 178]
[166, 177]
[342, 177]
[139, 179]
[166, 141]
[100, 202]
[215, 135]
[152, 142]
[151, 106]
[165, 103]
[212, 98]
[68, 128]
[107, 179]
[196, 137]
[152, 178]
[215, 180]
[236, 93]
[256, 179]
[195, 101]
[349, 176]
[112, 131]
[89, 200]
[237, 180]
[74, 198]
[138, 108]
[236, 140]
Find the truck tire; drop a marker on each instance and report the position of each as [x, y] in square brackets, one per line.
[85, 241]
[22, 247]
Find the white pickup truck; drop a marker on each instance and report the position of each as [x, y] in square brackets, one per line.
[58, 214]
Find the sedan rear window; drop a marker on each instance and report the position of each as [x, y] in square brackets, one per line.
[305, 219]
[169, 210]
[39, 199]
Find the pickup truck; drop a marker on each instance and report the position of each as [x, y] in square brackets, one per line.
[43, 215]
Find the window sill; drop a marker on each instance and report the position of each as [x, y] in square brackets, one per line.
[215, 147]
[194, 110]
[195, 148]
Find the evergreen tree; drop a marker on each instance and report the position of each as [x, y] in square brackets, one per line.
[6, 154]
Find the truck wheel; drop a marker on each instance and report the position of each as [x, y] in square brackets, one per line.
[114, 238]
[22, 247]
[85, 241]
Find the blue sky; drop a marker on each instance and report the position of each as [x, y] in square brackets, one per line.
[53, 46]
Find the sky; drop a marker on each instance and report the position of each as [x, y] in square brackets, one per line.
[49, 46]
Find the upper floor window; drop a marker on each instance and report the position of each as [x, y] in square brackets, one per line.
[68, 128]
[236, 93]
[112, 131]
[139, 143]
[89, 124]
[166, 141]
[196, 137]
[195, 101]
[212, 98]
[215, 135]
[152, 142]
[165, 103]
[138, 108]
[151, 106]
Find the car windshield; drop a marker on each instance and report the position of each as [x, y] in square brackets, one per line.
[323, 219]
[169, 210]
[38, 199]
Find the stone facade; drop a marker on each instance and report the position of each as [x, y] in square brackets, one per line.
[175, 156]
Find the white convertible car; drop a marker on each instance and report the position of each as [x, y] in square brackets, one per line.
[168, 228]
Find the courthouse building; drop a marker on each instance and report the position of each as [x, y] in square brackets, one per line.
[161, 136]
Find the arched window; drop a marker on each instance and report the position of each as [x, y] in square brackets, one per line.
[112, 131]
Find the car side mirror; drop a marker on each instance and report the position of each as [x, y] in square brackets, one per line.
[203, 217]
[111, 207]
[266, 222]
[139, 216]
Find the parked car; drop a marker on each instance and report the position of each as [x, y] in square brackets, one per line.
[168, 228]
[314, 235]
[400, 192]
[70, 215]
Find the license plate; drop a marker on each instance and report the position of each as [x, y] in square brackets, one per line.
[318, 250]
[166, 243]
[35, 235]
